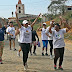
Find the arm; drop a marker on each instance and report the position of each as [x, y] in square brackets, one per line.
[17, 32]
[66, 25]
[4, 21]
[60, 20]
[5, 24]
[48, 35]
[18, 21]
[35, 20]
[50, 28]
[39, 29]
[10, 34]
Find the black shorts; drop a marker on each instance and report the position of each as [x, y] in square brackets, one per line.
[9, 38]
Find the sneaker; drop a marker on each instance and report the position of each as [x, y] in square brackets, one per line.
[31, 54]
[25, 68]
[34, 53]
[51, 57]
[60, 68]
[18, 54]
[10, 49]
[1, 62]
[14, 49]
[42, 54]
[46, 54]
[55, 67]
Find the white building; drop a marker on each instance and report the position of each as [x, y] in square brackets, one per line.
[21, 12]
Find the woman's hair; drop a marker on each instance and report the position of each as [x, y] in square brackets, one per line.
[58, 25]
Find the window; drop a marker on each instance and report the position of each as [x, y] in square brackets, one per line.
[19, 11]
[69, 8]
[19, 7]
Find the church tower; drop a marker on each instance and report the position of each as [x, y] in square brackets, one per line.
[20, 9]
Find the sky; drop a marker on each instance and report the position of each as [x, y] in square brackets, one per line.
[31, 7]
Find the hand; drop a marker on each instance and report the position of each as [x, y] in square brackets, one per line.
[11, 34]
[60, 17]
[39, 14]
[64, 21]
[49, 36]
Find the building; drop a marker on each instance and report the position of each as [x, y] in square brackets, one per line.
[69, 8]
[21, 12]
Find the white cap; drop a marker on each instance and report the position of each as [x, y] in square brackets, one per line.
[51, 22]
[25, 22]
[44, 24]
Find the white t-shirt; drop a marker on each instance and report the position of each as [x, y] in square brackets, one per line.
[47, 31]
[43, 34]
[25, 35]
[58, 38]
[11, 30]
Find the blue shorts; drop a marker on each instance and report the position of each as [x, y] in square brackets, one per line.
[45, 43]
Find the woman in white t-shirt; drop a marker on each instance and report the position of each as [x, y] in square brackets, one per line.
[44, 38]
[25, 38]
[11, 34]
[50, 39]
[58, 42]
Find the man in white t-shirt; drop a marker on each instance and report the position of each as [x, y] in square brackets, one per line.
[58, 43]
[50, 38]
[11, 34]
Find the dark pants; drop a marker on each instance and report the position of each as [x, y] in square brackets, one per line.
[59, 53]
[25, 49]
[51, 46]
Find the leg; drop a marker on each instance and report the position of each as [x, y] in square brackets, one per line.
[61, 56]
[1, 51]
[30, 49]
[56, 52]
[18, 53]
[46, 45]
[10, 44]
[14, 43]
[43, 47]
[51, 46]
[34, 43]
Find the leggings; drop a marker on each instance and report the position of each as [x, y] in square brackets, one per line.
[51, 46]
[59, 53]
[25, 49]
[45, 43]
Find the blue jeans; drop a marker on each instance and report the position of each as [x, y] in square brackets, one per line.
[45, 43]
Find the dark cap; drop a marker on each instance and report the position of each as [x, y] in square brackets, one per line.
[58, 25]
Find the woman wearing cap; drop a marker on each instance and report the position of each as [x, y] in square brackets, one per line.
[25, 38]
[2, 29]
[44, 38]
[58, 43]
[11, 34]
[50, 39]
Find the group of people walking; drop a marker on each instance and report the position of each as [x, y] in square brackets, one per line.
[52, 34]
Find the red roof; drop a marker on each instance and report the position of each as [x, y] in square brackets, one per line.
[69, 6]
[19, 2]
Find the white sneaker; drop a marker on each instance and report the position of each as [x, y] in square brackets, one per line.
[25, 68]
[26, 65]
[18, 54]
[51, 57]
